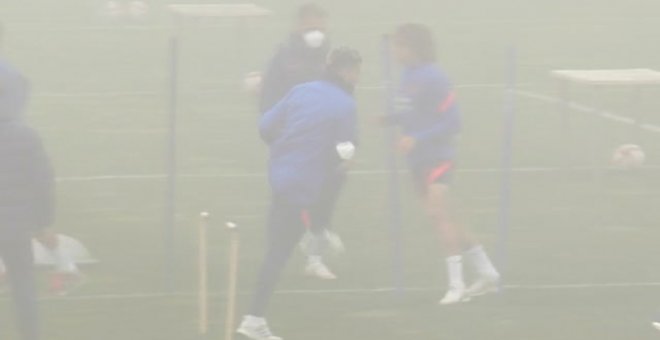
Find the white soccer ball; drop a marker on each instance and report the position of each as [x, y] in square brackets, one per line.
[629, 156]
[138, 9]
[252, 83]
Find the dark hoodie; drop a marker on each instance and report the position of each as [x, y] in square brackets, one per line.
[26, 177]
[294, 63]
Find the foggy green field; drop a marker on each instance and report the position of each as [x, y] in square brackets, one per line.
[581, 254]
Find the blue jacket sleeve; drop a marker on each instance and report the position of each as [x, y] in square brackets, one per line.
[449, 125]
[275, 84]
[439, 101]
[272, 122]
[13, 93]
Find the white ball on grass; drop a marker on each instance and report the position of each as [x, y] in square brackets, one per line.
[628, 156]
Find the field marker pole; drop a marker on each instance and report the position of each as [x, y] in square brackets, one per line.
[394, 206]
[203, 271]
[504, 219]
[232, 276]
[171, 190]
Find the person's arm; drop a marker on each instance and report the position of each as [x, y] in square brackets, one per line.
[347, 139]
[276, 80]
[437, 99]
[273, 120]
[448, 122]
[13, 93]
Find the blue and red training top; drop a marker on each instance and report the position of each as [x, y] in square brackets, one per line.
[425, 108]
[303, 131]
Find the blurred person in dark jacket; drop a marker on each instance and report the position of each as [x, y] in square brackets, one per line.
[301, 59]
[26, 196]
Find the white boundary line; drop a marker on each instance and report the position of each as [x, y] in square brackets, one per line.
[216, 90]
[608, 115]
[352, 173]
[568, 286]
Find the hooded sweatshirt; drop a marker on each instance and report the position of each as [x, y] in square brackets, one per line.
[26, 177]
[303, 131]
[294, 63]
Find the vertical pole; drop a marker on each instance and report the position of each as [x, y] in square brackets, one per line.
[394, 204]
[507, 159]
[203, 270]
[171, 190]
[565, 114]
[232, 275]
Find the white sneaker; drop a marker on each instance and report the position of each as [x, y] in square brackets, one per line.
[256, 330]
[316, 268]
[314, 245]
[335, 242]
[484, 285]
[455, 295]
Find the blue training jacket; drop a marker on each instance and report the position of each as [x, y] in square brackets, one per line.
[303, 130]
[426, 109]
[26, 177]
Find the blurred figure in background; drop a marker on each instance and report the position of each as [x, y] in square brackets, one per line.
[26, 204]
[301, 59]
[26, 196]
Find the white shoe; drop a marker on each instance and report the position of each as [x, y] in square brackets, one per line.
[316, 268]
[455, 295]
[335, 242]
[256, 331]
[484, 285]
[312, 244]
[656, 325]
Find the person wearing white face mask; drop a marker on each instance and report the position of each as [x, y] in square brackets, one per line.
[301, 59]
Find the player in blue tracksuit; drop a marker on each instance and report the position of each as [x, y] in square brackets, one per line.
[311, 134]
[428, 115]
[301, 59]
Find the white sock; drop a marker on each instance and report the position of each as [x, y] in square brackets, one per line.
[314, 259]
[481, 262]
[455, 271]
[253, 320]
[317, 243]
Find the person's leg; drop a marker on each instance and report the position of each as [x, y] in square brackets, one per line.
[17, 254]
[457, 240]
[319, 224]
[285, 228]
[451, 236]
[323, 213]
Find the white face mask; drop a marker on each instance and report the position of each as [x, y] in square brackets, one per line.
[314, 39]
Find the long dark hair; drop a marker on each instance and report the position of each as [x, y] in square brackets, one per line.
[419, 39]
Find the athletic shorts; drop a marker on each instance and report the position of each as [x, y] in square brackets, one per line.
[442, 173]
